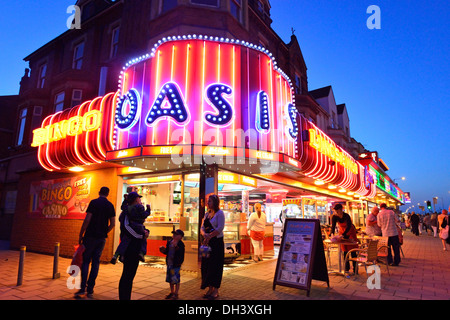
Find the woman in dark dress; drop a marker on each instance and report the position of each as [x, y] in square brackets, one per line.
[212, 232]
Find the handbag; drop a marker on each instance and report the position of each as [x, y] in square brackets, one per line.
[77, 259]
[443, 234]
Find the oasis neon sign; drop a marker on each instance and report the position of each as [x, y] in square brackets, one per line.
[170, 105]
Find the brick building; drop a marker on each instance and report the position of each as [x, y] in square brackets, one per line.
[82, 64]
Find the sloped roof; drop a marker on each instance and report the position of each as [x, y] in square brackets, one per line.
[321, 92]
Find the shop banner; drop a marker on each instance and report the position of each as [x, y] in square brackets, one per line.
[60, 198]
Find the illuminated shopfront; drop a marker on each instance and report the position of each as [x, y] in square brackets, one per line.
[201, 115]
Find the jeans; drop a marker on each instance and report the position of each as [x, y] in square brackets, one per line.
[94, 248]
[395, 244]
[130, 265]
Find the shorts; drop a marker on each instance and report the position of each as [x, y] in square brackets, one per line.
[173, 275]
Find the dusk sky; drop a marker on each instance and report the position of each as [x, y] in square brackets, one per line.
[394, 80]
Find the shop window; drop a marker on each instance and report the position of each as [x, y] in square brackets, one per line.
[77, 96]
[168, 5]
[59, 102]
[42, 74]
[235, 9]
[22, 123]
[114, 42]
[78, 53]
[212, 3]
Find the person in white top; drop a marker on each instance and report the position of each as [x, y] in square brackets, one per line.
[387, 221]
[255, 227]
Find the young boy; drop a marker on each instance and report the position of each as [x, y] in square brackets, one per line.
[174, 251]
[132, 225]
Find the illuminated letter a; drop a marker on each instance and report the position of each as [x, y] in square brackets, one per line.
[168, 104]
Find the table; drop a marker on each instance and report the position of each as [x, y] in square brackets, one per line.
[338, 243]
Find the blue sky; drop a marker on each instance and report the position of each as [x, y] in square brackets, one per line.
[394, 81]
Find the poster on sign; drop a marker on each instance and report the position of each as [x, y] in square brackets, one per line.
[301, 257]
[60, 198]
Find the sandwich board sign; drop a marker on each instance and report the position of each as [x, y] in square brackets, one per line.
[302, 256]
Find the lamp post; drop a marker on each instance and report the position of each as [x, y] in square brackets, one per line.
[402, 178]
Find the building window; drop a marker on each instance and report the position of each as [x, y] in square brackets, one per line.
[298, 84]
[37, 117]
[22, 123]
[59, 102]
[212, 3]
[114, 42]
[78, 53]
[235, 9]
[42, 73]
[77, 96]
[168, 5]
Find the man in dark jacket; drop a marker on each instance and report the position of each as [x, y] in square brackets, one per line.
[415, 220]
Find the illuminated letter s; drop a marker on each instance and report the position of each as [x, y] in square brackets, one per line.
[214, 94]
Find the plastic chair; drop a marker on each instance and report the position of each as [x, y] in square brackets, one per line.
[383, 251]
[367, 255]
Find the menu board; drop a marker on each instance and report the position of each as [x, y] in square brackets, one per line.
[301, 255]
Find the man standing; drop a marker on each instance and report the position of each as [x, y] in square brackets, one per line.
[387, 221]
[99, 221]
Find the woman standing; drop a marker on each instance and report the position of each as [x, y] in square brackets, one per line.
[347, 230]
[443, 222]
[212, 232]
[255, 227]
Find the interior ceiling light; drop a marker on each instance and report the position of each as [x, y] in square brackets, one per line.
[76, 169]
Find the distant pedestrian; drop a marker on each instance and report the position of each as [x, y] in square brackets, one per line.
[212, 231]
[434, 223]
[420, 223]
[415, 223]
[99, 221]
[387, 221]
[256, 227]
[427, 222]
[372, 228]
[174, 251]
[444, 223]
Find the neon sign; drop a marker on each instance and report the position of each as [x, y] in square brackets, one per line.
[78, 136]
[326, 146]
[208, 91]
[60, 130]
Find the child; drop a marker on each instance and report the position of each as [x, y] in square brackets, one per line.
[132, 226]
[174, 252]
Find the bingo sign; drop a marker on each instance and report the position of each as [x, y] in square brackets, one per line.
[301, 257]
[60, 198]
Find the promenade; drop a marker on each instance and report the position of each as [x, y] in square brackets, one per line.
[422, 275]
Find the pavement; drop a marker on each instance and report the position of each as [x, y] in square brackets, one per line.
[421, 275]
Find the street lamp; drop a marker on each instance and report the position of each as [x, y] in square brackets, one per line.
[402, 178]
